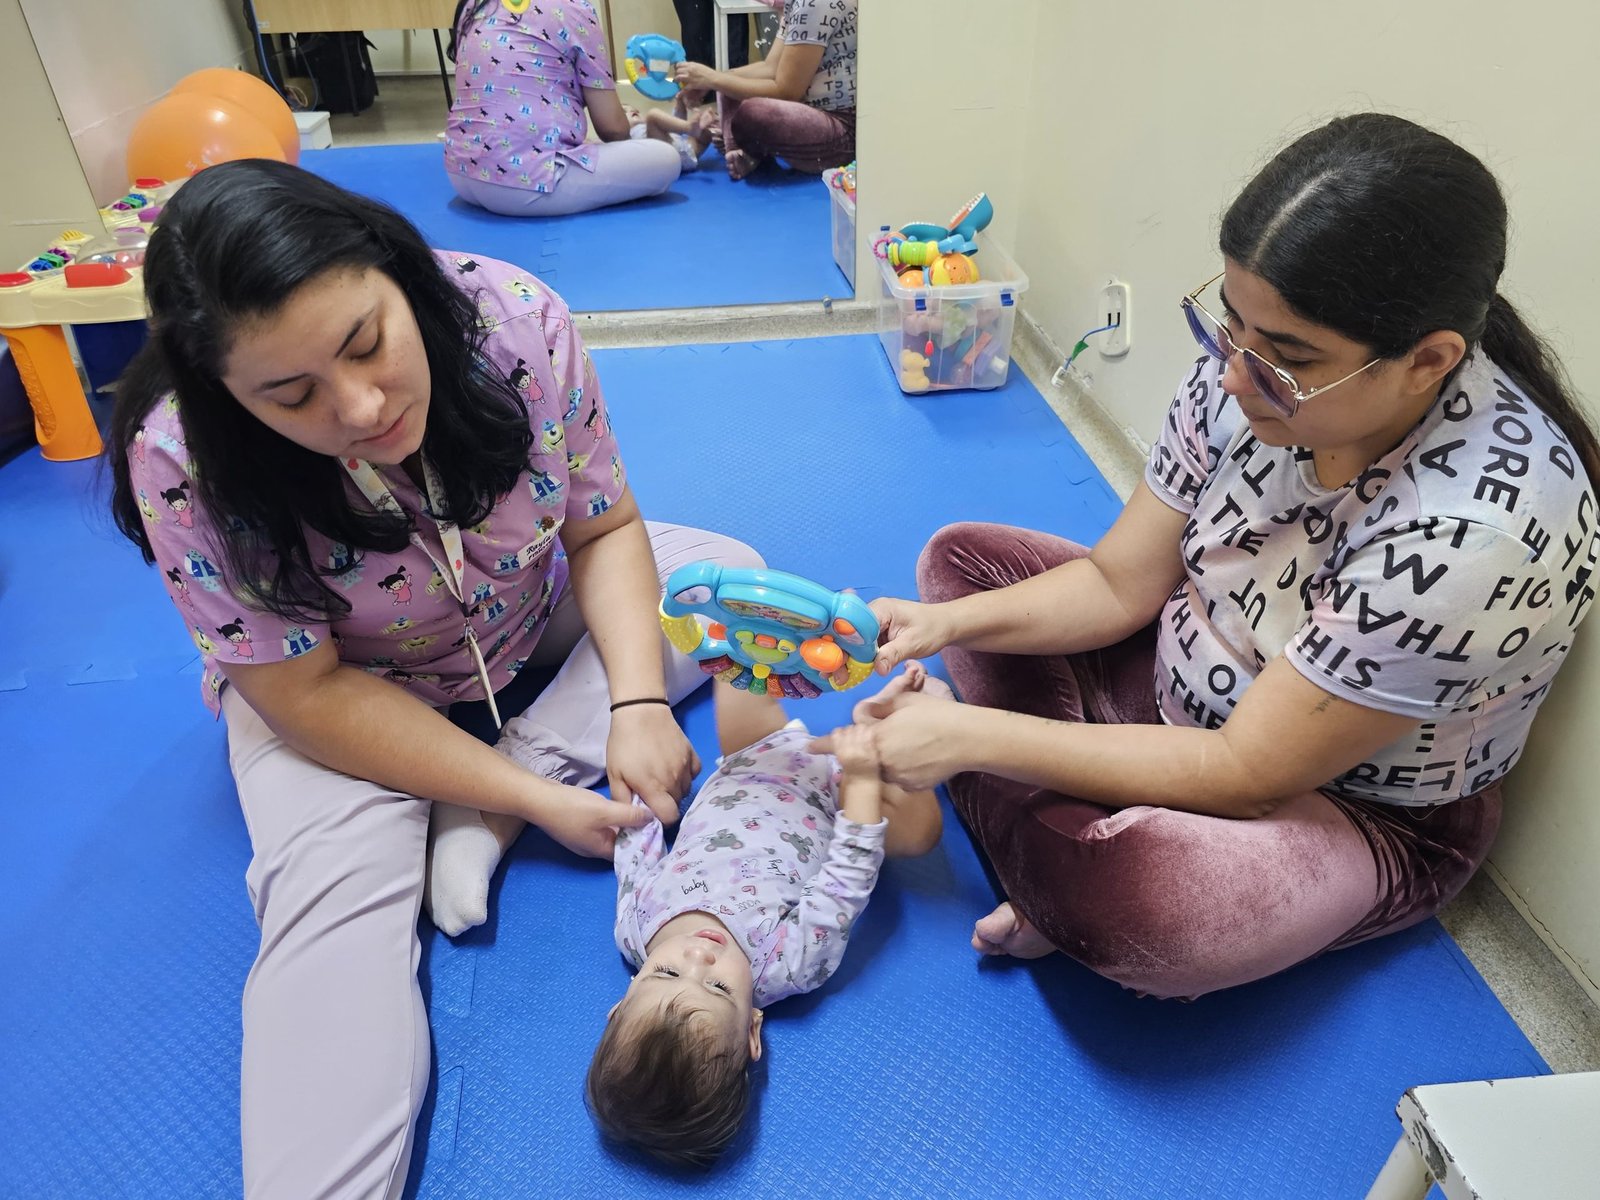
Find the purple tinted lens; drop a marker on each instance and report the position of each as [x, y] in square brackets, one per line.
[1273, 389]
[1207, 339]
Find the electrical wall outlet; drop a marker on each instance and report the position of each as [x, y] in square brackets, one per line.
[1116, 306]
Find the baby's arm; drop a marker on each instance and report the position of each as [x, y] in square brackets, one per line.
[837, 894]
[637, 855]
[861, 788]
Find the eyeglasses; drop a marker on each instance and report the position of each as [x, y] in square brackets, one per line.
[1277, 387]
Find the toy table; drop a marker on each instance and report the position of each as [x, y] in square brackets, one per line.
[33, 312]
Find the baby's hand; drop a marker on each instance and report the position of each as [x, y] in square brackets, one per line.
[856, 750]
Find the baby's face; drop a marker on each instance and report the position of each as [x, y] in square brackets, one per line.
[703, 970]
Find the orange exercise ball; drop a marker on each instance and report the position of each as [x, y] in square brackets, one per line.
[255, 97]
[184, 133]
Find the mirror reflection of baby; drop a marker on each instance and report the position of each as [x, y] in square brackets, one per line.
[688, 128]
[772, 864]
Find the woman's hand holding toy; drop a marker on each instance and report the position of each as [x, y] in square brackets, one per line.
[909, 629]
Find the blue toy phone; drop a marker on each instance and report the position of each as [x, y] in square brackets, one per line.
[769, 632]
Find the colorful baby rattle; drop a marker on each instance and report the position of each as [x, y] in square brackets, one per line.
[650, 59]
[769, 632]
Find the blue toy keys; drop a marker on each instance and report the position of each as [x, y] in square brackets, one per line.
[770, 632]
[649, 60]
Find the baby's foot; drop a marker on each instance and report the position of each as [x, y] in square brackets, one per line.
[913, 678]
[464, 847]
[740, 164]
[1005, 931]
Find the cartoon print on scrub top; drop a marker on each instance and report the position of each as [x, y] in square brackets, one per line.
[177, 499]
[346, 569]
[522, 379]
[296, 641]
[238, 637]
[516, 550]
[180, 586]
[202, 569]
[398, 585]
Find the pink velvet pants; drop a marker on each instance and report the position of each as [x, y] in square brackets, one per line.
[1165, 902]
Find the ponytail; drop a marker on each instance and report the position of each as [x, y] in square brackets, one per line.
[1533, 366]
[464, 8]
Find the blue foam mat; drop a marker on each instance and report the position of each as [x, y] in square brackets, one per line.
[706, 241]
[125, 931]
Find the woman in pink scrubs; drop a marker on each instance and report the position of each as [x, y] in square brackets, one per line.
[530, 78]
[402, 496]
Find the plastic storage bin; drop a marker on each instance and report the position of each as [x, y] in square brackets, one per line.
[843, 209]
[942, 338]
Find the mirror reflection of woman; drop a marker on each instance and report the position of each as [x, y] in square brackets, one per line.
[797, 104]
[530, 80]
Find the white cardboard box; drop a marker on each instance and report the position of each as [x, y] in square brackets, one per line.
[315, 132]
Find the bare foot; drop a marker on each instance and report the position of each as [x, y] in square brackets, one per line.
[740, 164]
[1005, 931]
[913, 678]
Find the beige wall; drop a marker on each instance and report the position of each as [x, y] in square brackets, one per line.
[1111, 137]
[46, 191]
[932, 131]
[107, 61]
[1177, 114]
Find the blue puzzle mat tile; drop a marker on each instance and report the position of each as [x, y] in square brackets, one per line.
[126, 931]
[706, 241]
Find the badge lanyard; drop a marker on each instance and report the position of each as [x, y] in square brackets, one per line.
[452, 569]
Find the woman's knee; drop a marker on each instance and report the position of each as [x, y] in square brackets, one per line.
[1170, 903]
[656, 164]
[758, 125]
[675, 545]
[939, 576]
[333, 867]
[977, 556]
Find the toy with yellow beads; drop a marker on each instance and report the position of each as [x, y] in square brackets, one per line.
[769, 632]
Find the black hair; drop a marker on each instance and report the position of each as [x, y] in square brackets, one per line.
[466, 12]
[234, 244]
[664, 1084]
[1385, 232]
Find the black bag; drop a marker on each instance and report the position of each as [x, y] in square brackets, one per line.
[342, 69]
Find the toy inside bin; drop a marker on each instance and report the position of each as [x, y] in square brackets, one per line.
[959, 336]
[842, 208]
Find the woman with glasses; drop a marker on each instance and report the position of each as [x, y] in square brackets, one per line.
[1269, 713]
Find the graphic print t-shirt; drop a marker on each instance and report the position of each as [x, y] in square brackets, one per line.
[1444, 583]
[830, 24]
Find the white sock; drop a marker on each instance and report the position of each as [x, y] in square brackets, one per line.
[462, 856]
